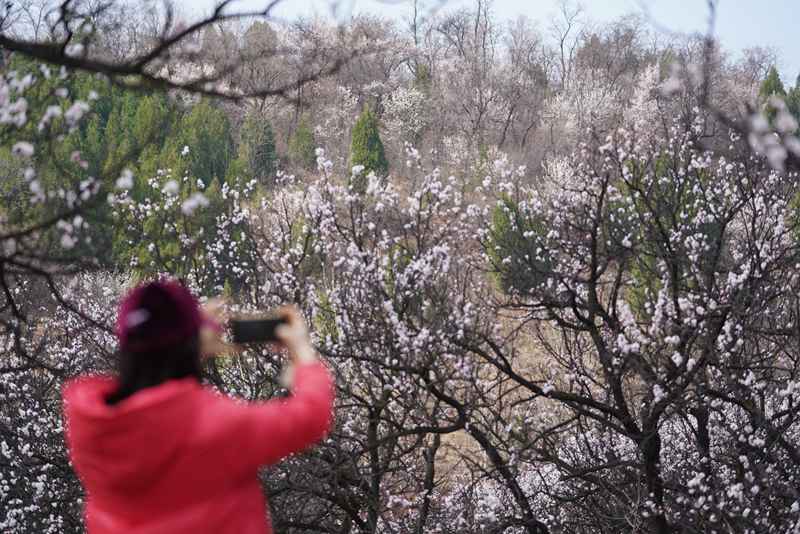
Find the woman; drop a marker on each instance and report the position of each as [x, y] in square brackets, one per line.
[157, 452]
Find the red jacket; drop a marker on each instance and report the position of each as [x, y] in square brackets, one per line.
[180, 458]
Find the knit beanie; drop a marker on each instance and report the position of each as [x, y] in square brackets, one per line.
[156, 315]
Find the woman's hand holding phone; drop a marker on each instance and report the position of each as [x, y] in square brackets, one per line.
[290, 331]
[293, 334]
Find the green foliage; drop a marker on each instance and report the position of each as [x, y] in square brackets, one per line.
[400, 257]
[134, 124]
[148, 133]
[664, 203]
[516, 248]
[90, 151]
[302, 147]
[152, 119]
[793, 100]
[423, 79]
[794, 210]
[207, 132]
[125, 129]
[771, 86]
[366, 148]
[257, 148]
[157, 130]
[303, 239]
[237, 170]
[168, 239]
[15, 207]
[645, 282]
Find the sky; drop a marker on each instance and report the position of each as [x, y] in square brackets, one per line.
[739, 24]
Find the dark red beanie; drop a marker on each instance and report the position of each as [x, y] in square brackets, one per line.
[156, 315]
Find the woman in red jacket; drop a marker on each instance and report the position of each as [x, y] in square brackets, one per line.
[157, 452]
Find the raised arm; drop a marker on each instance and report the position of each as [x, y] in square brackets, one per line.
[280, 427]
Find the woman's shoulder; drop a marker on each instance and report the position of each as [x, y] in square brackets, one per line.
[88, 393]
[87, 386]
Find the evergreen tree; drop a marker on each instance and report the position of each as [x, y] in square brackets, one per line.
[257, 148]
[422, 78]
[366, 148]
[793, 100]
[515, 240]
[771, 86]
[207, 132]
[302, 147]
[152, 120]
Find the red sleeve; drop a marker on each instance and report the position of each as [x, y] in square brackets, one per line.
[275, 429]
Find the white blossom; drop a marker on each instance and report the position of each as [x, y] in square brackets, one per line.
[125, 180]
[196, 200]
[22, 149]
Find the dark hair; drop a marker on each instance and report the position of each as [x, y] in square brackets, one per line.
[140, 370]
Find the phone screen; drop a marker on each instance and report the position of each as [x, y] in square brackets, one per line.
[254, 330]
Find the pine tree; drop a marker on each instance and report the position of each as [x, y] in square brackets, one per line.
[771, 86]
[207, 132]
[423, 79]
[257, 148]
[302, 147]
[366, 148]
[793, 100]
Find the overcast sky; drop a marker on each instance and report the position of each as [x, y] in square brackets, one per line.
[740, 23]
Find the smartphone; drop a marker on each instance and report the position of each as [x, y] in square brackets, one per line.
[254, 330]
